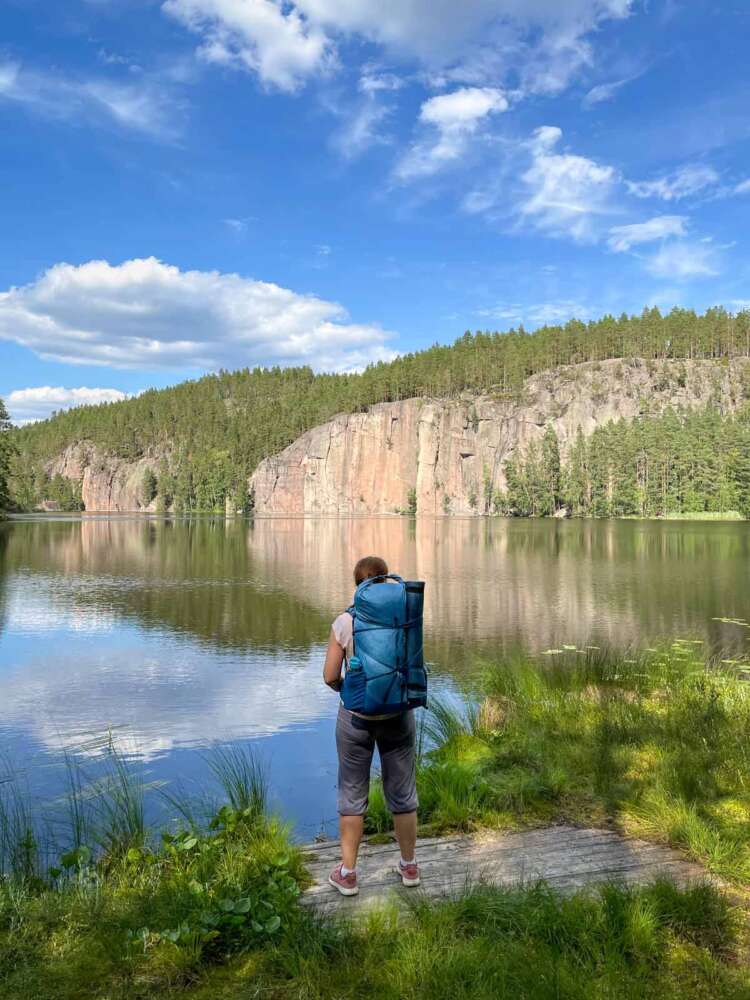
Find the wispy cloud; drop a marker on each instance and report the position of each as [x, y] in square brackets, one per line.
[686, 181]
[605, 92]
[555, 311]
[622, 238]
[565, 192]
[682, 260]
[139, 105]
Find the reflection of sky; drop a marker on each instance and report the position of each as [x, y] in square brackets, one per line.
[71, 669]
[63, 686]
[99, 632]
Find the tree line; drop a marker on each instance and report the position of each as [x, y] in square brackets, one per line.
[677, 463]
[208, 435]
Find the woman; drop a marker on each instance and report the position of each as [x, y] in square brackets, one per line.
[356, 738]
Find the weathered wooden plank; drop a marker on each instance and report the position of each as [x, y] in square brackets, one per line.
[566, 857]
[468, 858]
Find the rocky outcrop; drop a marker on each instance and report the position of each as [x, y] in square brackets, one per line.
[444, 454]
[108, 483]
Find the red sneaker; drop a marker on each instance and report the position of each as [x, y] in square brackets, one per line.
[346, 884]
[409, 874]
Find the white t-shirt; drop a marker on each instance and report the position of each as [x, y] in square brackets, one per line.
[343, 629]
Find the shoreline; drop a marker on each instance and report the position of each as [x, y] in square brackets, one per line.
[650, 746]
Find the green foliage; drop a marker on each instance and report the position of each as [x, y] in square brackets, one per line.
[149, 486]
[657, 743]
[7, 452]
[490, 943]
[217, 429]
[411, 501]
[136, 918]
[678, 463]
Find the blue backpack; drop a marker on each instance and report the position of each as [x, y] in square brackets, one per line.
[387, 672]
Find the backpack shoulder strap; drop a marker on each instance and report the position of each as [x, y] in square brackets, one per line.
[351, 610]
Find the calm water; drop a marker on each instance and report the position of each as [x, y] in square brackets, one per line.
[182, 634]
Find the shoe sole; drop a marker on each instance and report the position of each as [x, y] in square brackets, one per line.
[342, 889]
[410, 883]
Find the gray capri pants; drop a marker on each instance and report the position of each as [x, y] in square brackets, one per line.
[356, 739]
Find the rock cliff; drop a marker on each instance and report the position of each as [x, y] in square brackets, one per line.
[441, 452]
[108, 483]
[438, 451]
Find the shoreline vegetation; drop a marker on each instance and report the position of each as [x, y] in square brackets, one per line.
[654, 744]
[202, 439]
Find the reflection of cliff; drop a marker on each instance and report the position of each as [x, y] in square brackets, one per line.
[527, 583]
[196, 578]
[5, 530]
[277, 583]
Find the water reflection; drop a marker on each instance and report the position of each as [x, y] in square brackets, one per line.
[183, 633]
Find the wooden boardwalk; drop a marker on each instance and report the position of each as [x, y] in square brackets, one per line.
[567, 858]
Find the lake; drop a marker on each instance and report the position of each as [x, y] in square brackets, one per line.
[181, 634]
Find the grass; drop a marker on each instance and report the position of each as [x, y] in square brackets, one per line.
[656, 745]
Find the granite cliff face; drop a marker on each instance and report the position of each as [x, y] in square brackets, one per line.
[108, 483]
[445, 450]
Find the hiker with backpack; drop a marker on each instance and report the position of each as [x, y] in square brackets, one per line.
[375, 661]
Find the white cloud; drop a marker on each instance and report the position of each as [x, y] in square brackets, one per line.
[142, 105]
[27, 405]
[286, 42]
[363, 122]
[681, 260]
[604, 92]
[239, 226]
[565, 192]
[144, 313]
[452, 121]
[539, 314]
[622, 238]
[743, 187]
[684, 182]
[273, 39]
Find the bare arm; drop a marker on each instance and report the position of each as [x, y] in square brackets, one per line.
[333, 663]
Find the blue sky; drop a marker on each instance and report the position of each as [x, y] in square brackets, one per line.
[196, 184]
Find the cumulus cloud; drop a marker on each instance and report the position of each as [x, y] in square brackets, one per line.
[286, 43]
[451, 121]
[622, 238]
[141, 105]
[682, 260]
[273, 39]
[147, 314]
[28, 405]
[564, 192]
[684, 182]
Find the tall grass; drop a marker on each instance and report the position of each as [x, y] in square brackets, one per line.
[19, 845]
[658, 744]
[242, 778]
